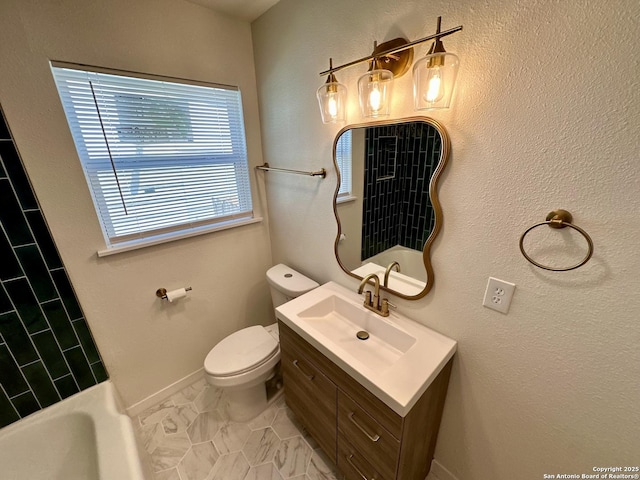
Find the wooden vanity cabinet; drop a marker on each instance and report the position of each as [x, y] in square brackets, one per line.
[364, 437]
[309, 393]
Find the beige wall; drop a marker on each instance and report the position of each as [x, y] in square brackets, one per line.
[546, 116]
[147, 344]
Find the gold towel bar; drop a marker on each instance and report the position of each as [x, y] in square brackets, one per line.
[558, 219]
[265, 166]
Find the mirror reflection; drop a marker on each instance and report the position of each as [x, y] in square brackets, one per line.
[386, 203]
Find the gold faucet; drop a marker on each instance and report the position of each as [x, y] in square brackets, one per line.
[381, 307]
[388, 272]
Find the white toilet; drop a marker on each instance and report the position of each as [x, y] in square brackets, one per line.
[244, 362]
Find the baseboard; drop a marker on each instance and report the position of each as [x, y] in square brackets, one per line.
[166, 392]
[439, 472]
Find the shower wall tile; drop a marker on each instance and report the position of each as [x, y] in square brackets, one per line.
[99, 371]
[37, 272]
[41, 384]
[47, 352]
[8, 412]
[5, 303]
[43, 239]
[26, 304]
[12, 380]
[25, 404]
[15, 335]
[67, 386]
[80, 367]
[84, 335]
[12, 217]
[67, 294]
[60, 324]
[4, 131]
[9, 266]
[18, 176]
[51, 354]
[397, 209]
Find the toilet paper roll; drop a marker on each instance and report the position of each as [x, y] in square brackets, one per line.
[175, 294]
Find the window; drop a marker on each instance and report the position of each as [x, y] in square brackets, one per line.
[343, 158]
[162, 157]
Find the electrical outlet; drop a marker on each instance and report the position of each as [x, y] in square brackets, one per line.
[498, 295]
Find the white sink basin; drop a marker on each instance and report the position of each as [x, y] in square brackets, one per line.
[397, 362]
[340, 320]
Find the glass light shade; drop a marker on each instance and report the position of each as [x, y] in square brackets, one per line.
[374, 91]
[434, 78]
[332, 99]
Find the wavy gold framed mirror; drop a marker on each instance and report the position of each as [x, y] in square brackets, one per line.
[386, 201]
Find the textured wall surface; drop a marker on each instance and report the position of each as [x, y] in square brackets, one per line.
[546, 115]
[147, 344]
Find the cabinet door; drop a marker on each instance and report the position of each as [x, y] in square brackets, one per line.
[312, 397]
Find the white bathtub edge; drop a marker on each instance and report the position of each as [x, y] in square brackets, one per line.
[118, 456]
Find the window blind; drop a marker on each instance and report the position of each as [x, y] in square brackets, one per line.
[344, 160]
[160, 156]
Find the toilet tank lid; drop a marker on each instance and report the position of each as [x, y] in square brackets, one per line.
[288, 281]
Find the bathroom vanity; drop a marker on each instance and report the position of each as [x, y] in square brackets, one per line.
[374, 408]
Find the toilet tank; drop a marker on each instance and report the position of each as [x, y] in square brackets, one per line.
[287, 284]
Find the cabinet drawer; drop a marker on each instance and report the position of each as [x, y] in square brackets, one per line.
[312, 397]
[293, 342]
[368, 436]
[354, 465]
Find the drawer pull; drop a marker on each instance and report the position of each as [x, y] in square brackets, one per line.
[362, 475]
[295, 364]
[373, 438]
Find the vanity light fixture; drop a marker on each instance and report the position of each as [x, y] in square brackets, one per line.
[434, 78]
[332, 98]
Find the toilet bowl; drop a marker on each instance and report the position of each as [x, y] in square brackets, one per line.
[244, 362]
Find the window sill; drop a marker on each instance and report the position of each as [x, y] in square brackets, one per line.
[346, 198]
[158, 240]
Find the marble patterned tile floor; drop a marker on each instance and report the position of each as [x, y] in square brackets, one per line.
[189, 437]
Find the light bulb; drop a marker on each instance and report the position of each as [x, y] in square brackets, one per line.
[332, 106]
[375, 98]
[435, 90]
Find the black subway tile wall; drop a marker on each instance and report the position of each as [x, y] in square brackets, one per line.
[397, 210]
[47, 352]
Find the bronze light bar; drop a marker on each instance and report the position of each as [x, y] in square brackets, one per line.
[391, 51]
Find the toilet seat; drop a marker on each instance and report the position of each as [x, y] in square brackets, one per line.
[240, 352]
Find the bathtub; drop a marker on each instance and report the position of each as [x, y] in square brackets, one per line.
[84, 437]
[413, 278]
[411, 261]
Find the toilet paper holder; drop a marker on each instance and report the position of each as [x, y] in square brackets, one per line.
[162, 292]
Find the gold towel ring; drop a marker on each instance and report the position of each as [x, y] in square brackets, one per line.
[558, 219]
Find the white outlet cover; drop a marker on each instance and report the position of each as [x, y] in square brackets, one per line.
[498, 295]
